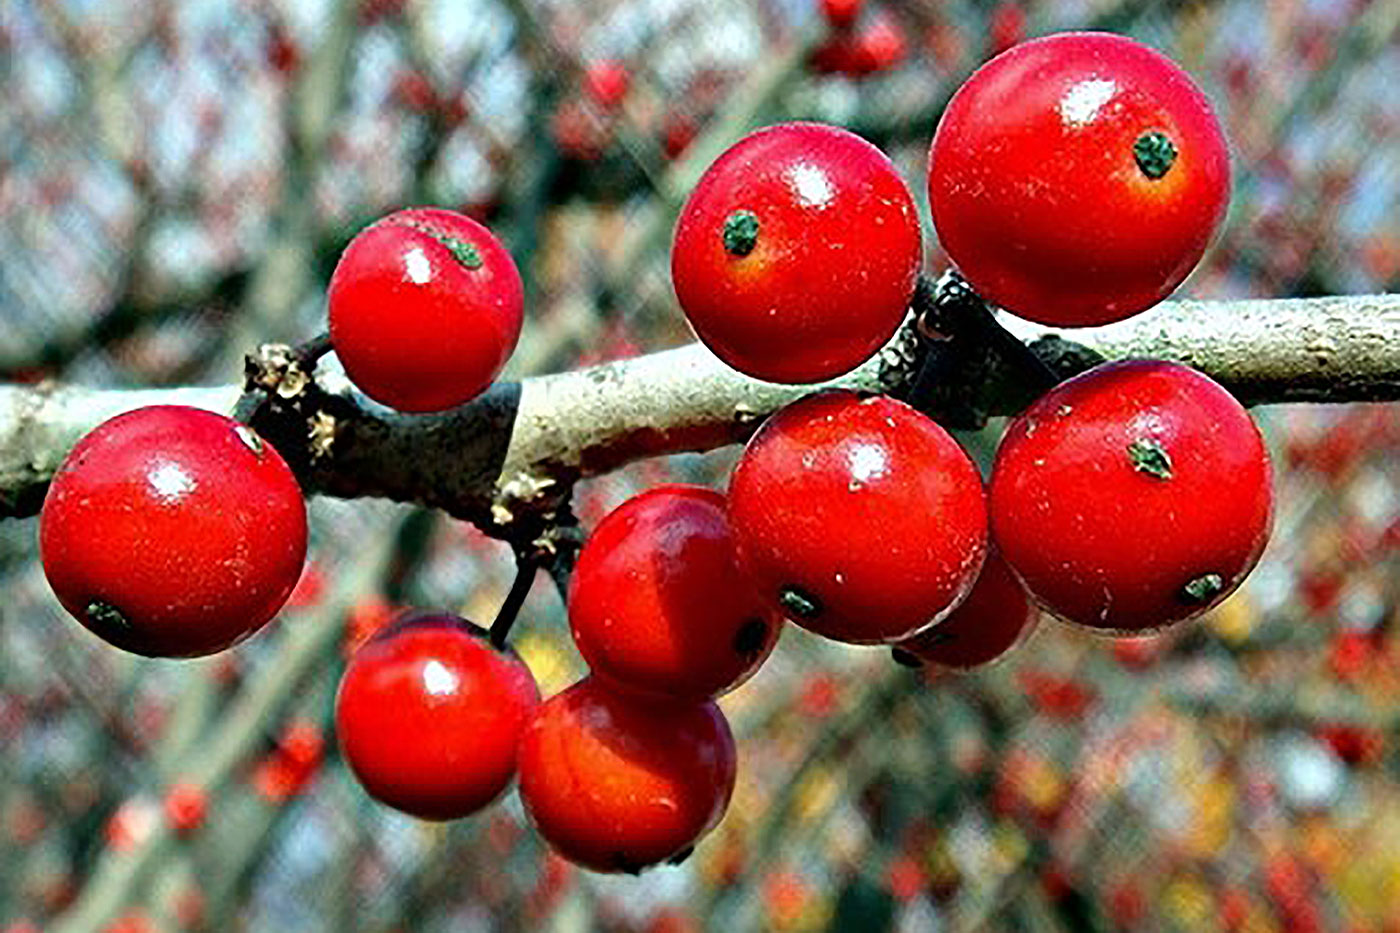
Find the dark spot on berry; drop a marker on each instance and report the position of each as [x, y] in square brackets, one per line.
[104, 618]
[749, 639]
[740, 232]
[1154, 154]
[799, 603]
[1202, 589]
[1150, 457]
[465, 253]
[681, 856]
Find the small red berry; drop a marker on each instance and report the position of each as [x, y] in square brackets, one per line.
[425, 308]
[617, 785]
[678, 132]
[276, 779]
[879, 46]
[1081, 151]
[429, 714]
[1355, 745]
[173, 531]
[1007, 26]
[1133, 496]
[996, 616]
[606, 83]
[841, 14]
[796, 255]
[657, 603]
[860, 519]
[186, 804]
[302, 744]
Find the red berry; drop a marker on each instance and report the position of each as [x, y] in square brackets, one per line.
[606, 83]
[614, 784]
[186, 804]
[879, 46]
[657, 603]
[1007, 26]
[841, 14]
[1108, 162]
[302, 745]
[796, 254]
[429, 715]
[996, 616]
[173, 531]
[861, 519]
[1132, 496]
[425, 309]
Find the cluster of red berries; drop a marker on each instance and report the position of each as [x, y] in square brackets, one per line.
[1073, 180]
[859, 45]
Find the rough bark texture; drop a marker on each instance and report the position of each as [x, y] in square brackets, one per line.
[507, 460]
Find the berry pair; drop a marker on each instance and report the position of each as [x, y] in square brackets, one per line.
[436, 721]
[1074, 180]
[1132, 497]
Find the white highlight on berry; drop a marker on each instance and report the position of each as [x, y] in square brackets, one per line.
[417, 266]
[170, 481]
[867, 462]
[438, 680]
[1081, 103]
[811, 184]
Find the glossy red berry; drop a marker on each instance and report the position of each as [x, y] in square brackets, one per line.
[795, 256]
[657, 603]
[1132, 496]
[860, 518]
[425, 308]
[616, 784]
[173, 531]
[996, 616]
[430, 713]
[1077, 179]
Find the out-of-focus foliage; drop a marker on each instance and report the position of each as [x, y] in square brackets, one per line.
[176, 180]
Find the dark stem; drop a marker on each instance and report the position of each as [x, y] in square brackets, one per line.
[525, 568]
[309, 351]
[247, 406]
[954, 293]
[966, 347]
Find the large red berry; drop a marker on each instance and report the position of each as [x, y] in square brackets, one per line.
[430, 713]
[657, 603]
[1132, 496]
[796, 255]
[861, 519]
[425, 308]
[996, 616]
[618, 784]
[1077, 179]
[173, 531]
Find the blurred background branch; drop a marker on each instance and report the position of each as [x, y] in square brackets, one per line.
[176, 183]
